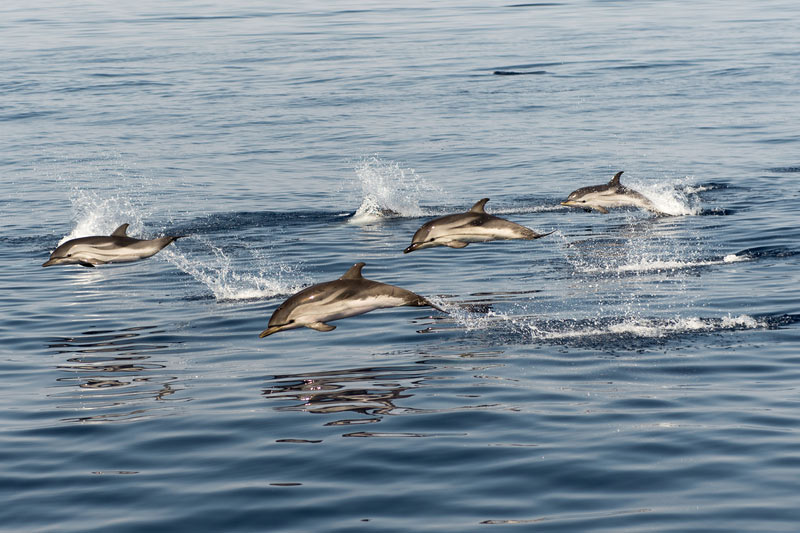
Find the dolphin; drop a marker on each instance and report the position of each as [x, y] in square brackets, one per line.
[99, 250]
[612, 194]
[475, 225]
[350, 295]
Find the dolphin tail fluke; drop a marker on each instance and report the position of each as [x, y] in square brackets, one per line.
[421, 301]
[431, 304]
[530, 235]
[163, 242]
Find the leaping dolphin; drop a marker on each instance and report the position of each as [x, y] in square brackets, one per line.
[475, 225]
[99, 250]
[350, 295]
[612, 194]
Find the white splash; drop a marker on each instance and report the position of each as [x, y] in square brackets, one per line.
[648, 327]
[461, 315]
[673, 197]
[733, 258]
[224, 277]
[694, 189]
[742, 322]
[107, 191]
[631, 326]
[662, 265]
[388, 190]
[97, 215]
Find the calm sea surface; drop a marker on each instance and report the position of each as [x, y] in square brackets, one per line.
[627, 373]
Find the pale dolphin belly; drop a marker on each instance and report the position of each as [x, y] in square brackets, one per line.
[337, 309]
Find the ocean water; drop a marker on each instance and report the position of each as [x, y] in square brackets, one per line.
[629, 372]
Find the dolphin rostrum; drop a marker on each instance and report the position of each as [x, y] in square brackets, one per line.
[350, 295]
[612, 194]
[475, 225]
[101, 249]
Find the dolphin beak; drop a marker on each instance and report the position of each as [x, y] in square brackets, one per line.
[49, 262]
[269, 331]
[567, 203]
[414, 246]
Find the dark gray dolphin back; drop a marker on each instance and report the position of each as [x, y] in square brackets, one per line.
[364, 285]
[614, 184]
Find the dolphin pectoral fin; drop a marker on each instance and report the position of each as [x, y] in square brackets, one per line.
[85, 264]
[320, 326]
[601, 210]
[456, 244]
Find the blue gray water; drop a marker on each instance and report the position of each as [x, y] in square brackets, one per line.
[627, 373]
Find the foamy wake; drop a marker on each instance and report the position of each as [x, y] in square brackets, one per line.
[646, 327]
[663, 265]
[673, 197]
[224, 277]
[538, 329]
[388, 190]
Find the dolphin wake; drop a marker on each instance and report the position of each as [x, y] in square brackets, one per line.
[526, 328]
[223, 275]
[677, 197]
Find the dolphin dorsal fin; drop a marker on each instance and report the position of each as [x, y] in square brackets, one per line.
[121, 231]
[478, 207]
[354, 272]
[615, 180]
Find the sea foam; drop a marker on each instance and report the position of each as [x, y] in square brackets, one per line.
[389, 190]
